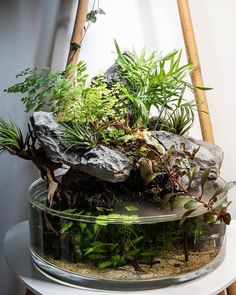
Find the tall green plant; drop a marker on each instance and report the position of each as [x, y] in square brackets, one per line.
[160, 83]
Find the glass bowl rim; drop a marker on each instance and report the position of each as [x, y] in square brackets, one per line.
[113, 218]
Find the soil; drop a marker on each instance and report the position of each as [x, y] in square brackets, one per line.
[75, 191]
[171, 265]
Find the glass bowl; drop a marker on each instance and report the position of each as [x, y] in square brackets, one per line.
[140, 247]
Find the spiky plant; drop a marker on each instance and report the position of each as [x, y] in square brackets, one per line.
[74, 136]
[11, 138]
[179, 121]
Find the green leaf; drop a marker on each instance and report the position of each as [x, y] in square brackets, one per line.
[136, 241]
[133, 252]
[203, 88]
[105, 264]
[66, 227]
[11, 137]
[131, 208]
[70, 211]
[186, 215]
[102, 220]
[190, 204]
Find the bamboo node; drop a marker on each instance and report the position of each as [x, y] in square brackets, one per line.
[74, 46]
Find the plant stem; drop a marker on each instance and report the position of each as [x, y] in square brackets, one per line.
[186, 253]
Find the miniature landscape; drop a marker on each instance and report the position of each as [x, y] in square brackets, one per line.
[119, 157]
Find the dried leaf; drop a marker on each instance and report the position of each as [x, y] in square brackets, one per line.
[150, 140]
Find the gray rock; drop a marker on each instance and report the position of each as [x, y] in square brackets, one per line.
[113, 166]
[112, 74]
[106, 164]
[215, 151]
[209, 155]
[101, 162]
[46, 130]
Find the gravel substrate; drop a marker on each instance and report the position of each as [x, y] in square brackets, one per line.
[169, 265]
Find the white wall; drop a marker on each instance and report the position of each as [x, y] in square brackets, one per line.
[215, 25]
[155, 24]
[27, 31]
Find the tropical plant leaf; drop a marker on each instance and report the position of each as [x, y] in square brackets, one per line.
[105, 264]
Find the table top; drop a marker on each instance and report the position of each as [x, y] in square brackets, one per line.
[16, 247]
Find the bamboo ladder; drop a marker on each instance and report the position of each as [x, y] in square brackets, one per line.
[193, 57]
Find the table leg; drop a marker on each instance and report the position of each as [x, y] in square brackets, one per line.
[28, 292]
[231, 290]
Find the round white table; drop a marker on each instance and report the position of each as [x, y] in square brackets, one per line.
[16, 247]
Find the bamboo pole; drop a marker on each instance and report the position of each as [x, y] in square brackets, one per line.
[197, 80]
[196, 75]
[77, 35]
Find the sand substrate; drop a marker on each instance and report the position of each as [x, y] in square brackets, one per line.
[169, 265]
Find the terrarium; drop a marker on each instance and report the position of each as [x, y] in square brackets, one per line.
[136, 202]
[139, 243]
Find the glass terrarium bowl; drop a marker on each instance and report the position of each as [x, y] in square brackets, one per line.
[142, 247]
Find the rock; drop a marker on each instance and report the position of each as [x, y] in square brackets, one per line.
[209, 155]
[112, 74]
[106, 164]
[102, 162]
[110, 165]
[215, 151]
[46, 130]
